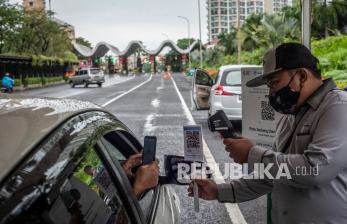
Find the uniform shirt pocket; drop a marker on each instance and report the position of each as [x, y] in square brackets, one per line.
[301, 142]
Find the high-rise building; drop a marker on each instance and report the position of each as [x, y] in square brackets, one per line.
[223, 14]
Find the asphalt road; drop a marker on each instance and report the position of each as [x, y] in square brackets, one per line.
[150, 105]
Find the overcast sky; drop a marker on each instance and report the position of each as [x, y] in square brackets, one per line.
[120, 21]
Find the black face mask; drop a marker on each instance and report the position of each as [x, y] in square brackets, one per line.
[284, 100]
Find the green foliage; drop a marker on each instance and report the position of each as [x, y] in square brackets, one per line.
[91, 159]
[184, 43]
[32, 81]
[228, 41]
[329, 18]
[52, 79]
[83, 41]
[32, 33]
[9, 18]
[17, 82]
[331, 52]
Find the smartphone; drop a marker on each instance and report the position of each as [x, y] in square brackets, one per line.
[149, 149]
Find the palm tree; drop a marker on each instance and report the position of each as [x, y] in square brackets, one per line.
[250, 30]
[228, 41]
[271, 31]
[324, 19]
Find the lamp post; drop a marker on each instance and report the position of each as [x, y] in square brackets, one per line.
[188, 22]
[200, 35]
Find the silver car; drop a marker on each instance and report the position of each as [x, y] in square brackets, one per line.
[224, 93]
[61, 162]
[87, 76]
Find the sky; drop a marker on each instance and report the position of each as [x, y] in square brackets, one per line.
[120, 21]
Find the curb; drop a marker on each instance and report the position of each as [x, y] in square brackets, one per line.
[38, 86]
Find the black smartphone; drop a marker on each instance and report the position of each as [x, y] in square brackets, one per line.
[149, 149]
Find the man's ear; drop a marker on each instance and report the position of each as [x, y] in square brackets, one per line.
[303, 74]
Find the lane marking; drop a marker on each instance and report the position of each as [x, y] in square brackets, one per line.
[233, 210]
[125, 93]
[155, 103]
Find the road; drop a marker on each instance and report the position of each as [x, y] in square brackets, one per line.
[151, 105]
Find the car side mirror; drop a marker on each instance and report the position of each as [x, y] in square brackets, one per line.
[178, 170]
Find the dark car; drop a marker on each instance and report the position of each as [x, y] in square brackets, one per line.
[46, 146]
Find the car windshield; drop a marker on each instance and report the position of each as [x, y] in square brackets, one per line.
[231, 78]
[94, 71]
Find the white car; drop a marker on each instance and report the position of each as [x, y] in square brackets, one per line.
[224, 93]
[86, 76]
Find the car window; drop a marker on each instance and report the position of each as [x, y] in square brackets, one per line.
[121, 145]
[94, 71]
[88, 195]
[202, 78]
[65, 181]
[231, 78]
[85, 72]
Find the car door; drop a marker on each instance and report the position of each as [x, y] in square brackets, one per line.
[159, 205]
[79, 77]
[68, 178]
[202, 84]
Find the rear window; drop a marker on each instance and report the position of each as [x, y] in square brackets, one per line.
[231, 78]
[94, 71]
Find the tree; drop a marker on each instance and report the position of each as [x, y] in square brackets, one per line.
[329, 18]
[184, 43]
[9, 18]
[83, 41]
[228, 41]
[37, 34]
[250, 30]
[270, 31]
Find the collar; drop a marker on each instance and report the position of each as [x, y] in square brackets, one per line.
[316, 98]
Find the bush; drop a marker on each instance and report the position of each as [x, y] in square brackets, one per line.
[331, 52]
[53, 79]
[17, 82]
[33, 80]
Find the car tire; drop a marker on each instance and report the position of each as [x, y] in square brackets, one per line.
[100, 85]
[72, 85]
[85, 84]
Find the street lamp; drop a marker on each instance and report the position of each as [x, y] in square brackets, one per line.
[200, 35]
[188, 22]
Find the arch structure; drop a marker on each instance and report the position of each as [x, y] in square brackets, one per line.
[102, 48]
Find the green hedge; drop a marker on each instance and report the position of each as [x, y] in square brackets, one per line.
[32, 81]
[53, 79]
[38, 80]
[17, 82]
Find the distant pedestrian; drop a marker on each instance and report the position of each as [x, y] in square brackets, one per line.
[7, 83]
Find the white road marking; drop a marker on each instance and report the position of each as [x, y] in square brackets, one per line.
[125, 93]
[155, 103]
[233, 210]
[149, 128]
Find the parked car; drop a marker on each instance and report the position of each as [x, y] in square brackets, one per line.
[223, 93]
[86, 76]
[47, 145]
